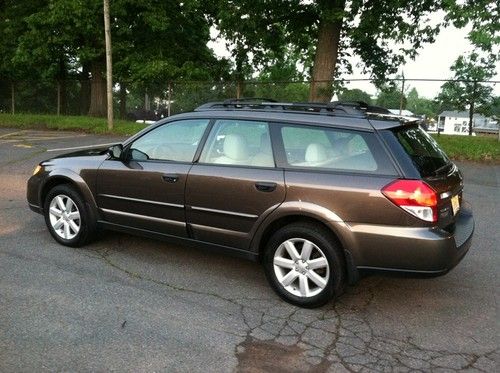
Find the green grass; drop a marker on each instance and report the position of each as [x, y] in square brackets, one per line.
[477, 148]
[471, 148]
[68, 123]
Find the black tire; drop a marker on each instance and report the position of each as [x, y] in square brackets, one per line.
[328, 246]
[87, 225]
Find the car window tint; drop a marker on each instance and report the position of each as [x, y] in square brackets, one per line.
[235, 142]
[317, 147]
[175, 141]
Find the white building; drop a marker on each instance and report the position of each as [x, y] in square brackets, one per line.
[457, 122]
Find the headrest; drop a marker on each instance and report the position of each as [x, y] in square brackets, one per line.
[235, 147]
[315, 153]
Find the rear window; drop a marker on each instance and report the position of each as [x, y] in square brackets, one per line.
[423, 150]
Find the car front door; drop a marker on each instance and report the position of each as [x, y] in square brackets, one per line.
[145, 190]
[234, 185]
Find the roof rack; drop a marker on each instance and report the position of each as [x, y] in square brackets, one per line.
[264, 104]
[342, 108]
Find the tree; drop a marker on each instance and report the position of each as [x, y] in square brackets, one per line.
[421, 105]
[153, 42]
[483, 15]
[326, 32]
[389, 96]
[355, 95]
[467, 90]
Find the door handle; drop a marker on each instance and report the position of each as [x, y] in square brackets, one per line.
[170, 178]
[264, 186]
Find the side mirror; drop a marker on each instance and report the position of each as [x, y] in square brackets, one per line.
[116, 151]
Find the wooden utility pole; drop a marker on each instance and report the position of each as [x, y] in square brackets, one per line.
[109, 68]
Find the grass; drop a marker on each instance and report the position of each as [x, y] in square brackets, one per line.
[470, 148]
[68, 123]
[478, 148]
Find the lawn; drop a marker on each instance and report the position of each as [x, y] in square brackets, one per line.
[472, 148]
[68, 123]
[477, 148]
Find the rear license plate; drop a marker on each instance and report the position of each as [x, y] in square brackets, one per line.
[455, 204]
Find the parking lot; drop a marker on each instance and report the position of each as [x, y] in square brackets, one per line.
[127, 303]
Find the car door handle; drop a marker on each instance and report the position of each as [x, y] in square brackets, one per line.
[170, 178]
[264, 186]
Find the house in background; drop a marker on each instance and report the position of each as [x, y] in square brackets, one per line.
[457, 122]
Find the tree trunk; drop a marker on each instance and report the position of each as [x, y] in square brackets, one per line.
[97, 90]
[471, 117]
[327, 48]
[123, 101]
[61, 87]
[84, 90]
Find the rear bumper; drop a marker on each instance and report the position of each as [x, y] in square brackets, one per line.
[408, 249]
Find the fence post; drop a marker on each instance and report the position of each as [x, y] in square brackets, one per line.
[58, 97]
[169, 98]
[12, 98]
[238, 89]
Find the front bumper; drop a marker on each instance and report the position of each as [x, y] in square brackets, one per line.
[409, 249]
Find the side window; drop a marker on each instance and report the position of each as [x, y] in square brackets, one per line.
[239, 142]
[317, 147]
[175, 141]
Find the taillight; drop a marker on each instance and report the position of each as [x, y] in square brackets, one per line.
[414, 196]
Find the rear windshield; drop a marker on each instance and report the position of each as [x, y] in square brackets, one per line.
[423, 150]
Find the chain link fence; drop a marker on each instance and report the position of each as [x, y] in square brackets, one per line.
[134, 102]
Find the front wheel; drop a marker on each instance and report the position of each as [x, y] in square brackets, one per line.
[66, 216]
[303, 264]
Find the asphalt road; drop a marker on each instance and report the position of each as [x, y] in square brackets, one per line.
[132, 304]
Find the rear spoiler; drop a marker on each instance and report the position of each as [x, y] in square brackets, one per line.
[384, 121]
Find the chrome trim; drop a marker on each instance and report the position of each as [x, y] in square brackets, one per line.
[152, 218]
[143, 200]
[232, 213]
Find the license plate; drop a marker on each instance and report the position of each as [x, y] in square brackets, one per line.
[455, 204]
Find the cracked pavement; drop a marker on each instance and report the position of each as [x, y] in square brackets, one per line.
[127, 303]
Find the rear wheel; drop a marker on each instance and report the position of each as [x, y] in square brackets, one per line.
[303, 264]
[66, 216]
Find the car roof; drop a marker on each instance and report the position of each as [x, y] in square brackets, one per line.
[285, 117]
[355, 115]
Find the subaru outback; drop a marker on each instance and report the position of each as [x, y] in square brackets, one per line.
[317, 192]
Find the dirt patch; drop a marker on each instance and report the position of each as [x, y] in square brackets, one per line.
[268, 356]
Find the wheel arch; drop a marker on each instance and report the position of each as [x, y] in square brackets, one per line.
[279, 219]
[63, 176]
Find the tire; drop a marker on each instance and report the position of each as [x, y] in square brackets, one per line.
[315, 281]
[63, 217]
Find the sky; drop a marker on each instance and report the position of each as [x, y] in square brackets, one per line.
[433, 61]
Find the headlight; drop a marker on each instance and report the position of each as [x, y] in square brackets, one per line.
[37, 169]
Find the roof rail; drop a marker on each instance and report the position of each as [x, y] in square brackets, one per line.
[343, 108]
[263, 104]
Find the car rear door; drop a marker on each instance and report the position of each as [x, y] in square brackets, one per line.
[145, 190]
[235, 184]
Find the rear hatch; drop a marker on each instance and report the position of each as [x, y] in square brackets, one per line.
[435, 168]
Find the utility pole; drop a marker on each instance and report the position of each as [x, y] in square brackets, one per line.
[109, 68]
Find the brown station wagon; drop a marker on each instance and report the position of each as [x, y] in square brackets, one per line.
[316, 192]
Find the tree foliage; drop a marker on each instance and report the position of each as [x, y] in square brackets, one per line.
[328, 32]
[466, 90]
